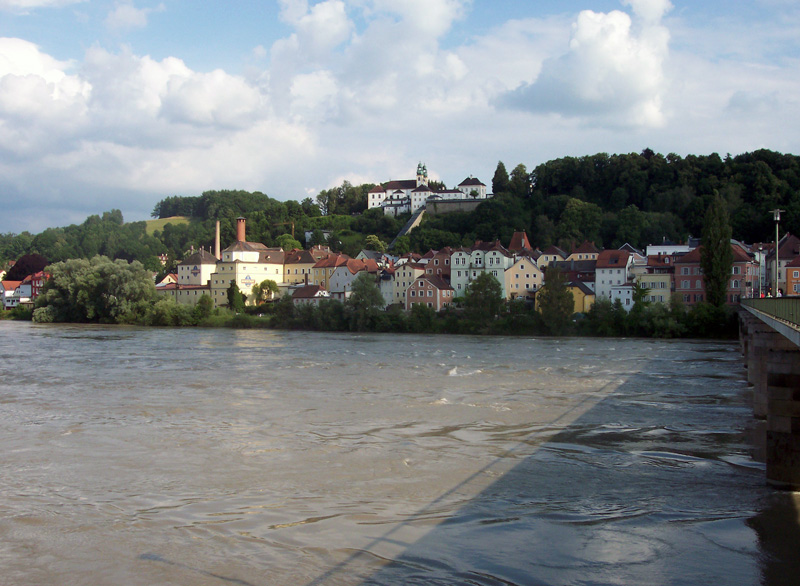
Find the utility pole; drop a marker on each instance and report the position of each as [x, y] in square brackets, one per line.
[776, 214]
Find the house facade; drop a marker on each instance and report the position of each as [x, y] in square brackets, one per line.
[613, 269]
[431, 291]
[523, 278]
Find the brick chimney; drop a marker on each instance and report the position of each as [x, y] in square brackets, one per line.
[240, 229]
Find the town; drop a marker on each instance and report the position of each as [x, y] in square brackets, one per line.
[437, 278]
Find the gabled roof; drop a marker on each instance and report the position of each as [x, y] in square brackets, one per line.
[788, 247]
[471, 181]
[272, 256]
[333, 261]
[200, 257]
[660, 260]
[586, 247]
[519, 242]
[436, 281]
[691, 257]
[422, 189]
[240, 246]
[552, 249]
[10, 285]
[487, 246]
[612, 259]
[401, 184]
[582, 287]
[631, 249]
[308, 292]
[580, 266]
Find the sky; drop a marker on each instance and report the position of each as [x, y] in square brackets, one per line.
[119, 104]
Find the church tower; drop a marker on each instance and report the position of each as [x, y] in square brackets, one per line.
[422, 174]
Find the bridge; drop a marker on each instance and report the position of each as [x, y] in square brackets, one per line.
[769, 330]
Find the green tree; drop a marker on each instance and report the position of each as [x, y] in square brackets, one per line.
[287, 242]
[500, 179]
[374, 243]
[716, 256]
[556, 303]
[203, 309]
[235, 298]
[483, 299]
[266, 289]
[365, 302]
[96, 290]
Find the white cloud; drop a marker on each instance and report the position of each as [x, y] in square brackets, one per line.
[611, 74]
[364, 89]
[24, 6]
[126, 16]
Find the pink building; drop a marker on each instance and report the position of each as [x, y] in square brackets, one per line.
[430, 290]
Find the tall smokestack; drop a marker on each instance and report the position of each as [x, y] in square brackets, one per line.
[217, 252]
[240, 229]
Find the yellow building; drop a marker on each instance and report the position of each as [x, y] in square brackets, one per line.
[404, 276]
[523, 278]
[324, 268]
[246, 263]
[299, 264]
[659, 287]
[582, 297]
[586, 251]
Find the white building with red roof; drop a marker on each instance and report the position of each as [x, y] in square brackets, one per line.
[613, 268]
[409, 195]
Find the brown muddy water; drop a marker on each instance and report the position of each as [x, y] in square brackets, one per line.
[216, 457]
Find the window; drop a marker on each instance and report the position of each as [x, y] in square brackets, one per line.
[430, 293]
[736, 270]
[684, 284]
[796, 274]
[685, 270]
[698, 284]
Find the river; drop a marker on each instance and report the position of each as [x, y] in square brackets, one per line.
[143, 456]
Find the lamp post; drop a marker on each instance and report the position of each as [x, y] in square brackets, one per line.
[760, 266]
[776, 215]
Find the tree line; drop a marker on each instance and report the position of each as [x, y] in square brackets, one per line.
[638, 198]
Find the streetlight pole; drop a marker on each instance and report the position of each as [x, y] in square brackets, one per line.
[776, 215]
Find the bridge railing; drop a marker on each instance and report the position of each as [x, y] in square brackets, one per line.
[783, 308]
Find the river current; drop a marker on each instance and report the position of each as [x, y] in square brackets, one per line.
[152, 456]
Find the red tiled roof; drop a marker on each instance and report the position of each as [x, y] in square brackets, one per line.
[552, 249]
[307, 292]
[519, 241]
[612, 259]
[586, 248]
[436, 281]
[335, 260]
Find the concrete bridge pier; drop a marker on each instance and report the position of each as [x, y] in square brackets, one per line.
[783, 419]
[759, 341]
[773, 368]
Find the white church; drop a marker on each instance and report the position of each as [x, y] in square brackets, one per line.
[409, 195]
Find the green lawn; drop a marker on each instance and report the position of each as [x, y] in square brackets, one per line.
[153, 225]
